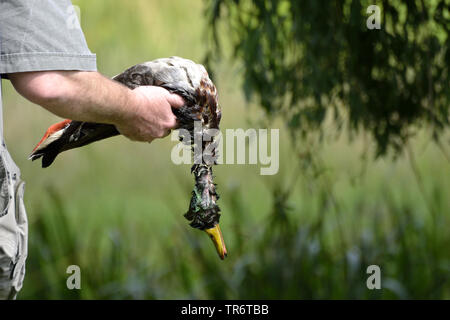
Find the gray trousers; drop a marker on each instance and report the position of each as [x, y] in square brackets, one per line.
[13, 228]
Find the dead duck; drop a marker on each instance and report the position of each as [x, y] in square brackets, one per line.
[190, 81]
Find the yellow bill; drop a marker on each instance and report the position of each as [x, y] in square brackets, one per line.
[216, 236]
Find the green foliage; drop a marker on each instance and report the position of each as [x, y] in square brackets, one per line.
[115, 208]
[306, 59]
[294, 252]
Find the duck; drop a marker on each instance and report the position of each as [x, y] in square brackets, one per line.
[187, 79]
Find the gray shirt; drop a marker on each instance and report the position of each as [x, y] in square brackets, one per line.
[39, 35]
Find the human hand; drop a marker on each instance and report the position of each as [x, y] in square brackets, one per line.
[150, 114]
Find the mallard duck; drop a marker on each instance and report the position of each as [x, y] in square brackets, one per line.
[190, 81]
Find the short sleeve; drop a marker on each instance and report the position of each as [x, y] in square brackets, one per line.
[40, 35]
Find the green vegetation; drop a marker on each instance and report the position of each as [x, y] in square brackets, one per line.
[304, 60]
[116, 208]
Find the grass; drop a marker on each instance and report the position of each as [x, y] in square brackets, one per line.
[309, 232]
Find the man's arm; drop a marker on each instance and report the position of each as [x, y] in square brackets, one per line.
[142, 114]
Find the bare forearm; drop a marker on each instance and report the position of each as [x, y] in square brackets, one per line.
[83, 96]
[141, 114]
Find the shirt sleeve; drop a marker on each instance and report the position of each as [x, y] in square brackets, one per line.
[40, 35]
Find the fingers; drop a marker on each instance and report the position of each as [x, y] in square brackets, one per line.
[172, 122]
[175, 100]
[154, 117]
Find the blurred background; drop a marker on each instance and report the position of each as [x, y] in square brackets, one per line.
[364, 173]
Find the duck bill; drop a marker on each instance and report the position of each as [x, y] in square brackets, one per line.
[216, 236]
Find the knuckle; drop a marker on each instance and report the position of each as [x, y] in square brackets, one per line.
[171, 123]
[160, 134]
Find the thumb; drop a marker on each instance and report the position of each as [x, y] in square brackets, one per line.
[175, 100]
